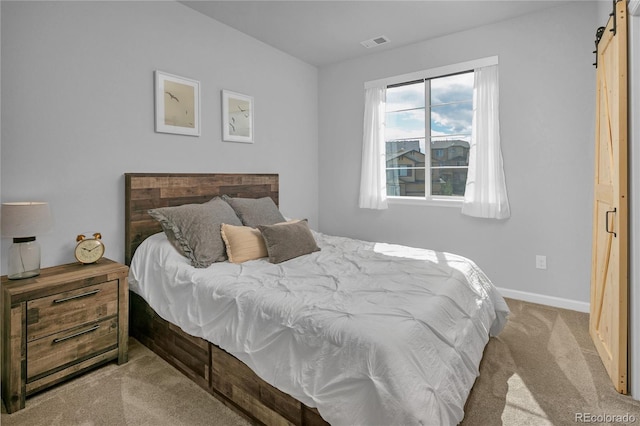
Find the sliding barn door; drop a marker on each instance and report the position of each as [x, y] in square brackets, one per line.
[609, 275]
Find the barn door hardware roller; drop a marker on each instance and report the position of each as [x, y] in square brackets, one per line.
[600, 30]
[599, 33]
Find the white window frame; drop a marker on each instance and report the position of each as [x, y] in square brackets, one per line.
[431, 200]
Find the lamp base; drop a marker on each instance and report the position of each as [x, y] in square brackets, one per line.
[24, 258]
[23, 275]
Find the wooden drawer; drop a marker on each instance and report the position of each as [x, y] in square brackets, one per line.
[67, 320]
[49, 315]
[73, 345]
[233, 379]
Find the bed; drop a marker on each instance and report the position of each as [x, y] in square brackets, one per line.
[352, 333]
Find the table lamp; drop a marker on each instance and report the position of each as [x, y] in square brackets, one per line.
[23, 221]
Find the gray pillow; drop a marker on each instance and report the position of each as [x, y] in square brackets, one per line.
[288, 240]
[255, 211]
[194, 229]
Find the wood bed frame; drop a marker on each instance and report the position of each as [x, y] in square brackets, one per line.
[213, 369]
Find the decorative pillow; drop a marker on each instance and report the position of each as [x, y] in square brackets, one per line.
[243, 243]
[288, 240]
[255, 211]
[194, 229]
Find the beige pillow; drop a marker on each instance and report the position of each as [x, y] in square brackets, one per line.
[243, 243]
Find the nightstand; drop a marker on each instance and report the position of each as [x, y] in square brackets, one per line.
[67, 320]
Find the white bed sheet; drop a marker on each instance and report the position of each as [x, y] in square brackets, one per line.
[369, 333]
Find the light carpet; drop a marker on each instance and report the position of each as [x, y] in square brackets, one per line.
[541, 370]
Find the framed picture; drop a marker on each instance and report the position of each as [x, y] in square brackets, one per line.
[177, 104]
[237, 117]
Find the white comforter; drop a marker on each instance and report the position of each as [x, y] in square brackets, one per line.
[369, 333]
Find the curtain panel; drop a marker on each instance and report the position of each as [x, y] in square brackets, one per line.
[486, 191]
[373, 182]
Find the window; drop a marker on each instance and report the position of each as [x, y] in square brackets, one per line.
[417, 146]
[428, 135]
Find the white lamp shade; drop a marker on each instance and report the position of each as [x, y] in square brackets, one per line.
[25, 219]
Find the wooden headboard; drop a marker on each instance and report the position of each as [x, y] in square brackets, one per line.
[144, 191]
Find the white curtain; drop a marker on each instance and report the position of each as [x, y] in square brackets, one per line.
[486, 191]
[373, 182]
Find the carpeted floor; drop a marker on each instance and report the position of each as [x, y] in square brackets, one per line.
[544, 370]
[144, 391]
[541, 370]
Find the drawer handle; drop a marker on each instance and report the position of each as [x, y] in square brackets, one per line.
[79, 333]
[77, 296]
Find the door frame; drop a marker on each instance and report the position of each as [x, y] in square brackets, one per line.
[633, 13]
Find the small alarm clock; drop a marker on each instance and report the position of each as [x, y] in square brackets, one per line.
[89, 250]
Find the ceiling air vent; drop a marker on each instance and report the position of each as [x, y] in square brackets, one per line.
[376, 41]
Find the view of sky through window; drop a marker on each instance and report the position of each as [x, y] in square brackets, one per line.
[448, 103]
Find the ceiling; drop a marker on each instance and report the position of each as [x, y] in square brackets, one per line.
[330, 31]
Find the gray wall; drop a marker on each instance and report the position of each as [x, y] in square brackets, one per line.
[78, 111]
[547, 112]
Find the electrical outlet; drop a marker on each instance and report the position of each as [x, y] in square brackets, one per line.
[541, 261]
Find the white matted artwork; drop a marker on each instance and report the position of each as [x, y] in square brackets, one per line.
[177, 104]
[237, 117]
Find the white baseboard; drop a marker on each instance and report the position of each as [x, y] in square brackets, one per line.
[556, 302]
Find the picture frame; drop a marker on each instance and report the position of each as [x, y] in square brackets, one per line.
[237, 117]
[177, 102]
